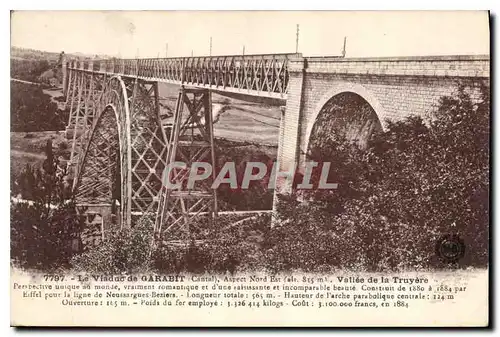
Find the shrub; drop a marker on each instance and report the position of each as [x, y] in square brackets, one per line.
[226, 248]
[63, 146]
[43, 240]
[221, 251]
[123, 251]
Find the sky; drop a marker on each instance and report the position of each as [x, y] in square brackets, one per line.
[129, 34]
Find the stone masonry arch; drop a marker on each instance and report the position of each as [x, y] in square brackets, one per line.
[335, 91]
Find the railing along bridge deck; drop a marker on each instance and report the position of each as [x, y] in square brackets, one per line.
[264, 75]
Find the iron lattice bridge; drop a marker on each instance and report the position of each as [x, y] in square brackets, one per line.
[121, 142]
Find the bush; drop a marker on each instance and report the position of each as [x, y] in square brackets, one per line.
[307, 240]
[225, 248]
[413, 184]
[63, 146]
[221, 250]
[43, 240]
[123, 251]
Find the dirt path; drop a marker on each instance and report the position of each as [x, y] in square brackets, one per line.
[22, 81]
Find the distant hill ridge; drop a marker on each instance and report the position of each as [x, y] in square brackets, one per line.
[41, 66]
[35, 55]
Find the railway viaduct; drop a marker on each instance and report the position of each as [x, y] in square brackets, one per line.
[114, 105]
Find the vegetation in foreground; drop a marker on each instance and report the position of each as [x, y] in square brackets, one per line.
[43, 233]
[414, 183]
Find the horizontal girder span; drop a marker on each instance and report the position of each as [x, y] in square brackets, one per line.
[263, 75]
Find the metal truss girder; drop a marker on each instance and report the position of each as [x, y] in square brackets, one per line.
[261, 75]
[191, 139]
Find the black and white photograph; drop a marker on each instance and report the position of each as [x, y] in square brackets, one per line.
[250, 168]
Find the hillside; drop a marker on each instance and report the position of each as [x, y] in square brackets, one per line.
[234, 119]
[32, 54]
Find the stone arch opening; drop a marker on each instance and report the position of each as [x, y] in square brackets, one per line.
[346, 116]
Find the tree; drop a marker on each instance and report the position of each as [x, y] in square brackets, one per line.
[44, 231]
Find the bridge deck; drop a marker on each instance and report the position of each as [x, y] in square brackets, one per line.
[264, 75]
[267, 75]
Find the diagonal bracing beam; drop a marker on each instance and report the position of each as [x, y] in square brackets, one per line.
[191, 139]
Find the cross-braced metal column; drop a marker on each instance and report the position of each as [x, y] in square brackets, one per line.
[70, 87]
[149, 148]
[87, 92]
[98, 184]
[124, 116]
[191, 140]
